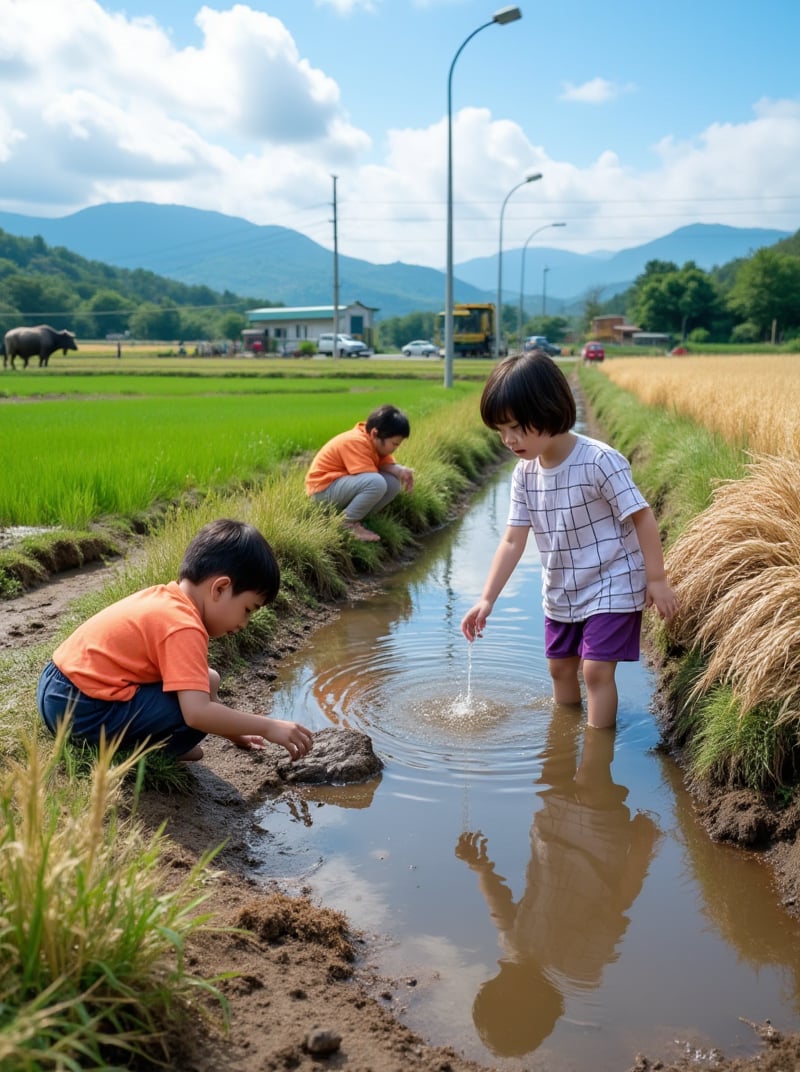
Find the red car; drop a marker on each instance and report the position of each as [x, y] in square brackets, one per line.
[593, 351]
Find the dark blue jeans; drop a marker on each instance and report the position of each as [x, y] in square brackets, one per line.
[152, 714]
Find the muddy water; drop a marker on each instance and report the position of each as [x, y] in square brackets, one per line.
[547, 898]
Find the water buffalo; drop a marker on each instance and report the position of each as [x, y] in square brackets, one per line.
[28, 342]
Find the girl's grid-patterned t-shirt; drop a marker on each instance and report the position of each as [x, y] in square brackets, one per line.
[580, 513]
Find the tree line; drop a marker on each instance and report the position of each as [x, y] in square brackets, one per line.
[752, 299]
[43, 284]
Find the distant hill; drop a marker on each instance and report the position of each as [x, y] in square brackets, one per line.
[570, 275]
[280, 265]
[276, 263]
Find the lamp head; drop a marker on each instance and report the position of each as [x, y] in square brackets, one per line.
[507, 14]
[532, 178]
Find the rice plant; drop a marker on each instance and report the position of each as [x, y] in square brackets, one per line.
[752, 401]
[736, 571]
[92, 944]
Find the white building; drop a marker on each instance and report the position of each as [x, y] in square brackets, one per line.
[280, 327]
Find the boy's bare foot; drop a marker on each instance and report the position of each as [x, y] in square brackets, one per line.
[356, 529]
[192, 755]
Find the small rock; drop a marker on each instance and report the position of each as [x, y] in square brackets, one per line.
[339, 757]
[322, 1041]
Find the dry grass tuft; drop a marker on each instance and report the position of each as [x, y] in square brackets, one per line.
[736, 570]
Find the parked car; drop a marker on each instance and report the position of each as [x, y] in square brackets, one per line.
[346, 345]
[420, 348]
[540, 342]
[593, 351]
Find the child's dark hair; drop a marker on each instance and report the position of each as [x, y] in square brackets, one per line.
[389, 421]
[531, 390]
[232, 549]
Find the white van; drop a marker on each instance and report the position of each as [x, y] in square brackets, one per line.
[346, 345]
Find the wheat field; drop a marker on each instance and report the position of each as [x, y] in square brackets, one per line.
[752, 401]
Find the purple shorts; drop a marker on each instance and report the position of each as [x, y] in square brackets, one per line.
[603, 638]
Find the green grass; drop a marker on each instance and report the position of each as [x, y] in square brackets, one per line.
[78, 459]
[736, 748]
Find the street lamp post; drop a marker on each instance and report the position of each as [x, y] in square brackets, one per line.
[522, 273]
[501, 17]
[545, 270]
[498, 333]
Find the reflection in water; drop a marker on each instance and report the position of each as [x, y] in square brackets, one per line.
[732, 884]
[588, 861]
[616, 936]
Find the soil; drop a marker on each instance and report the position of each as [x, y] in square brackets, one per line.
[304, 995]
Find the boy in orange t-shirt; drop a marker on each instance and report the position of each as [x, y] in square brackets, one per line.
[138, 670]
[356, 471]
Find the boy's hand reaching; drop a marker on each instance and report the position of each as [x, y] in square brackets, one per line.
[250, 742]
[296, 739]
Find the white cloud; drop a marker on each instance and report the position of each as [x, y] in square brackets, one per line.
[595, 91]
[111, 104]
[347, 7]
[243, 123]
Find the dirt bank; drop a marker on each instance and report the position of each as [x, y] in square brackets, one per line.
[304, 981]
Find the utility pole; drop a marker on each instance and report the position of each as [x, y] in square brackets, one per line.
[335, 277]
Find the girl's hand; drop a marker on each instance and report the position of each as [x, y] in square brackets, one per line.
[661, 596]
[474, 621]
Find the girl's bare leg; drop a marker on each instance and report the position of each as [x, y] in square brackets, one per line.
[566, 686]
[601, 693]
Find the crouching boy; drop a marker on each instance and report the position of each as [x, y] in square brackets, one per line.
[138, 670]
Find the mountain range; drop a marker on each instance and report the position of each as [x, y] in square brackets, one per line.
[271, 263]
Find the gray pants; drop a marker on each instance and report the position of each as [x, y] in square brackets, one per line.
[360, 495]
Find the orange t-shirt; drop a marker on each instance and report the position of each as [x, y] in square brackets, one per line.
[153, 635]
[347, 454]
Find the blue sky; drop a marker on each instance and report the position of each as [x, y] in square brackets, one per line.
[642, 117]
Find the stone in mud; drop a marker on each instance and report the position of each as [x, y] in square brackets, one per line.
[339, 757]
[322, 1041]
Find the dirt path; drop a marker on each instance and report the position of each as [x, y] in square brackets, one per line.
[304, 980]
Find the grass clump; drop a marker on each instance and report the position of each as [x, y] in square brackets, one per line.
[92, 966]
[736, 748]
[736, 571]
[737, 566]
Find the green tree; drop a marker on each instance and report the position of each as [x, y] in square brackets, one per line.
[396, 331]
[674, 300]
[552, 327]
[152, 321]
[109, 312]
[44, 299]
[767, 289]
[230, 325]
